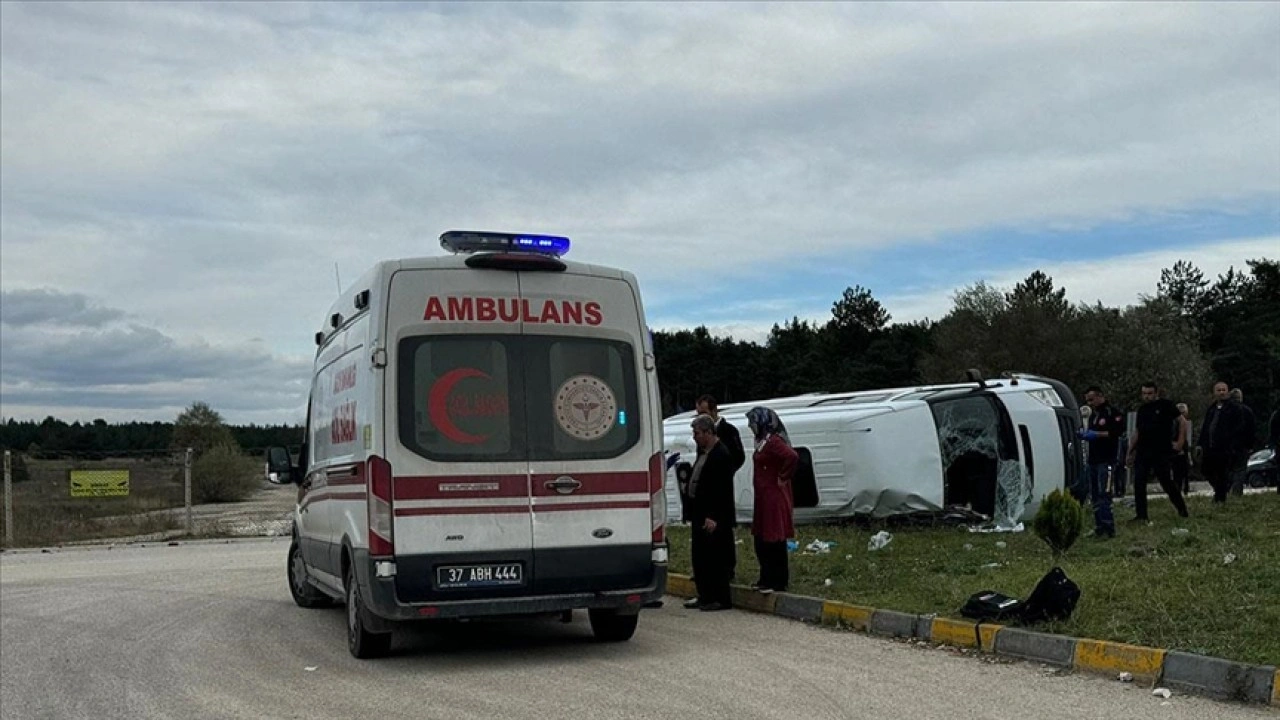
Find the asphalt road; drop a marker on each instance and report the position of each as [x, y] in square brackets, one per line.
[208, 630]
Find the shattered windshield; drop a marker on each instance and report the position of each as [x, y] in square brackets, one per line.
[980, 459]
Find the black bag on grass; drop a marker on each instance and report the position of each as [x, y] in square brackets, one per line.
[991, 605]
[1054, 598]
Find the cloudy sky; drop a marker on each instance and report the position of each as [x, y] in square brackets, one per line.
[179, 181]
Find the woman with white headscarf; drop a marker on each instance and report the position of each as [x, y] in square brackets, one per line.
[771, 523]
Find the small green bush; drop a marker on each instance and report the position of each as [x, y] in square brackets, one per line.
[1058, 522]
[223, 474]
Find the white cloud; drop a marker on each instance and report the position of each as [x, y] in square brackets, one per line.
[201, 167]
[91, 362]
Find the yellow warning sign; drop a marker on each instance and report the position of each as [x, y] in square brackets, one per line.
[99, 483]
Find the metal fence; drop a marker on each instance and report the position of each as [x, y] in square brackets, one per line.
[53, 498]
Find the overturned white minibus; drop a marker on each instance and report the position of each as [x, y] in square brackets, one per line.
[989, 447]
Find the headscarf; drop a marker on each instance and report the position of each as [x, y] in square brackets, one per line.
[765, 422]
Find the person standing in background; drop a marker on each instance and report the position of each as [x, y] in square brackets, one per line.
[725, 430]
[711, 514]
[1245, 434]
[1217, 440]
[1182, 457]
[1151, 447]
[1106, 424]
[772, 523]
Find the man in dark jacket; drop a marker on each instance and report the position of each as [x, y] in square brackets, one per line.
[1156, 438]
[712, 515]
[1106, 425]
[725, 430]
[1218, 441]
[1245, 435]
[732, 442]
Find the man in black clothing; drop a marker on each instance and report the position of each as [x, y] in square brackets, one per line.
[732, 441]
[1151, 447]
[1218, 440]
[712, 515]
[1106, 425]
[1244, 442]
[725, 430]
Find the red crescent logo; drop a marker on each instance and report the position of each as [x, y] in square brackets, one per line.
[438, 407]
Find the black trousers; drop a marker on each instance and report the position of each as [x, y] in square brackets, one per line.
[714, 557]
[1216, 467]
[774, 572]
[1161, 465]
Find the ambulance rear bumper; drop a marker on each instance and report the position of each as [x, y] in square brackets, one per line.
[383, 604]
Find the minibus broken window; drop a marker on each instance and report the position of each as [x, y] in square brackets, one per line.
[979, 456]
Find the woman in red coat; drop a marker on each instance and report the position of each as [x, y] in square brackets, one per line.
[771, 524]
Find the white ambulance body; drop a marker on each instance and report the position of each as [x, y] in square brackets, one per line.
[484, 438]
[986, 447]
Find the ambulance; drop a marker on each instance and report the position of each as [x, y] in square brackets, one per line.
[484, 438]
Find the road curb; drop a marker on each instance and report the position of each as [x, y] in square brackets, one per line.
[1219, 678]
[1041, 647]
[1112, 658]
[1195, 674]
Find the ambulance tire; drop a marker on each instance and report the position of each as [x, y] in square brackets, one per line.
[362, 643]
[304, 593]
[612, 626]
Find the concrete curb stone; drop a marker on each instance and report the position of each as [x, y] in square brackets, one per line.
[1041, 647]
[799, 607]
[893, 624]
[1218, 678]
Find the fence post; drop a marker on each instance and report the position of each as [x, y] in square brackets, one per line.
[187, 488]
[8, 501]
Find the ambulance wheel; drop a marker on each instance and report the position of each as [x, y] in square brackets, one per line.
[611, 626]
[362, 643]
[304, 594]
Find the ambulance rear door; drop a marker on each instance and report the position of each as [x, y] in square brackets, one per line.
[590, 440]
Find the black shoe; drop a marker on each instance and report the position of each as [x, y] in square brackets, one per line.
[692, 604]
[713, 607]
[1138, 520]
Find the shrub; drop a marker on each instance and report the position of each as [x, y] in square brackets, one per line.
[223, 474]
[1058, 522]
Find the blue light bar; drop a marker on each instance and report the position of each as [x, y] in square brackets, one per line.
[467, 241]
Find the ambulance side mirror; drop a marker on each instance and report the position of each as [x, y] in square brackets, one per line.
[279, 466]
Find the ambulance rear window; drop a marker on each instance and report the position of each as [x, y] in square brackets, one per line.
[472, 398]
[456, 398]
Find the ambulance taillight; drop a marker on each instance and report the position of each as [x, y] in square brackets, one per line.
[657, 498]
[380, 508]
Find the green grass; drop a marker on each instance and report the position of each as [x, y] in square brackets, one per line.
[1147, 586]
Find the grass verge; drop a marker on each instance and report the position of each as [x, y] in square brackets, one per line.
[1214, 590]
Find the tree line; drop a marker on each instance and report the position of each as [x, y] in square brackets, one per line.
[1190, 331]
[52, 437]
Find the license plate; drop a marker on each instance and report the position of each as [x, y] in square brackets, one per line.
[479, 576]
